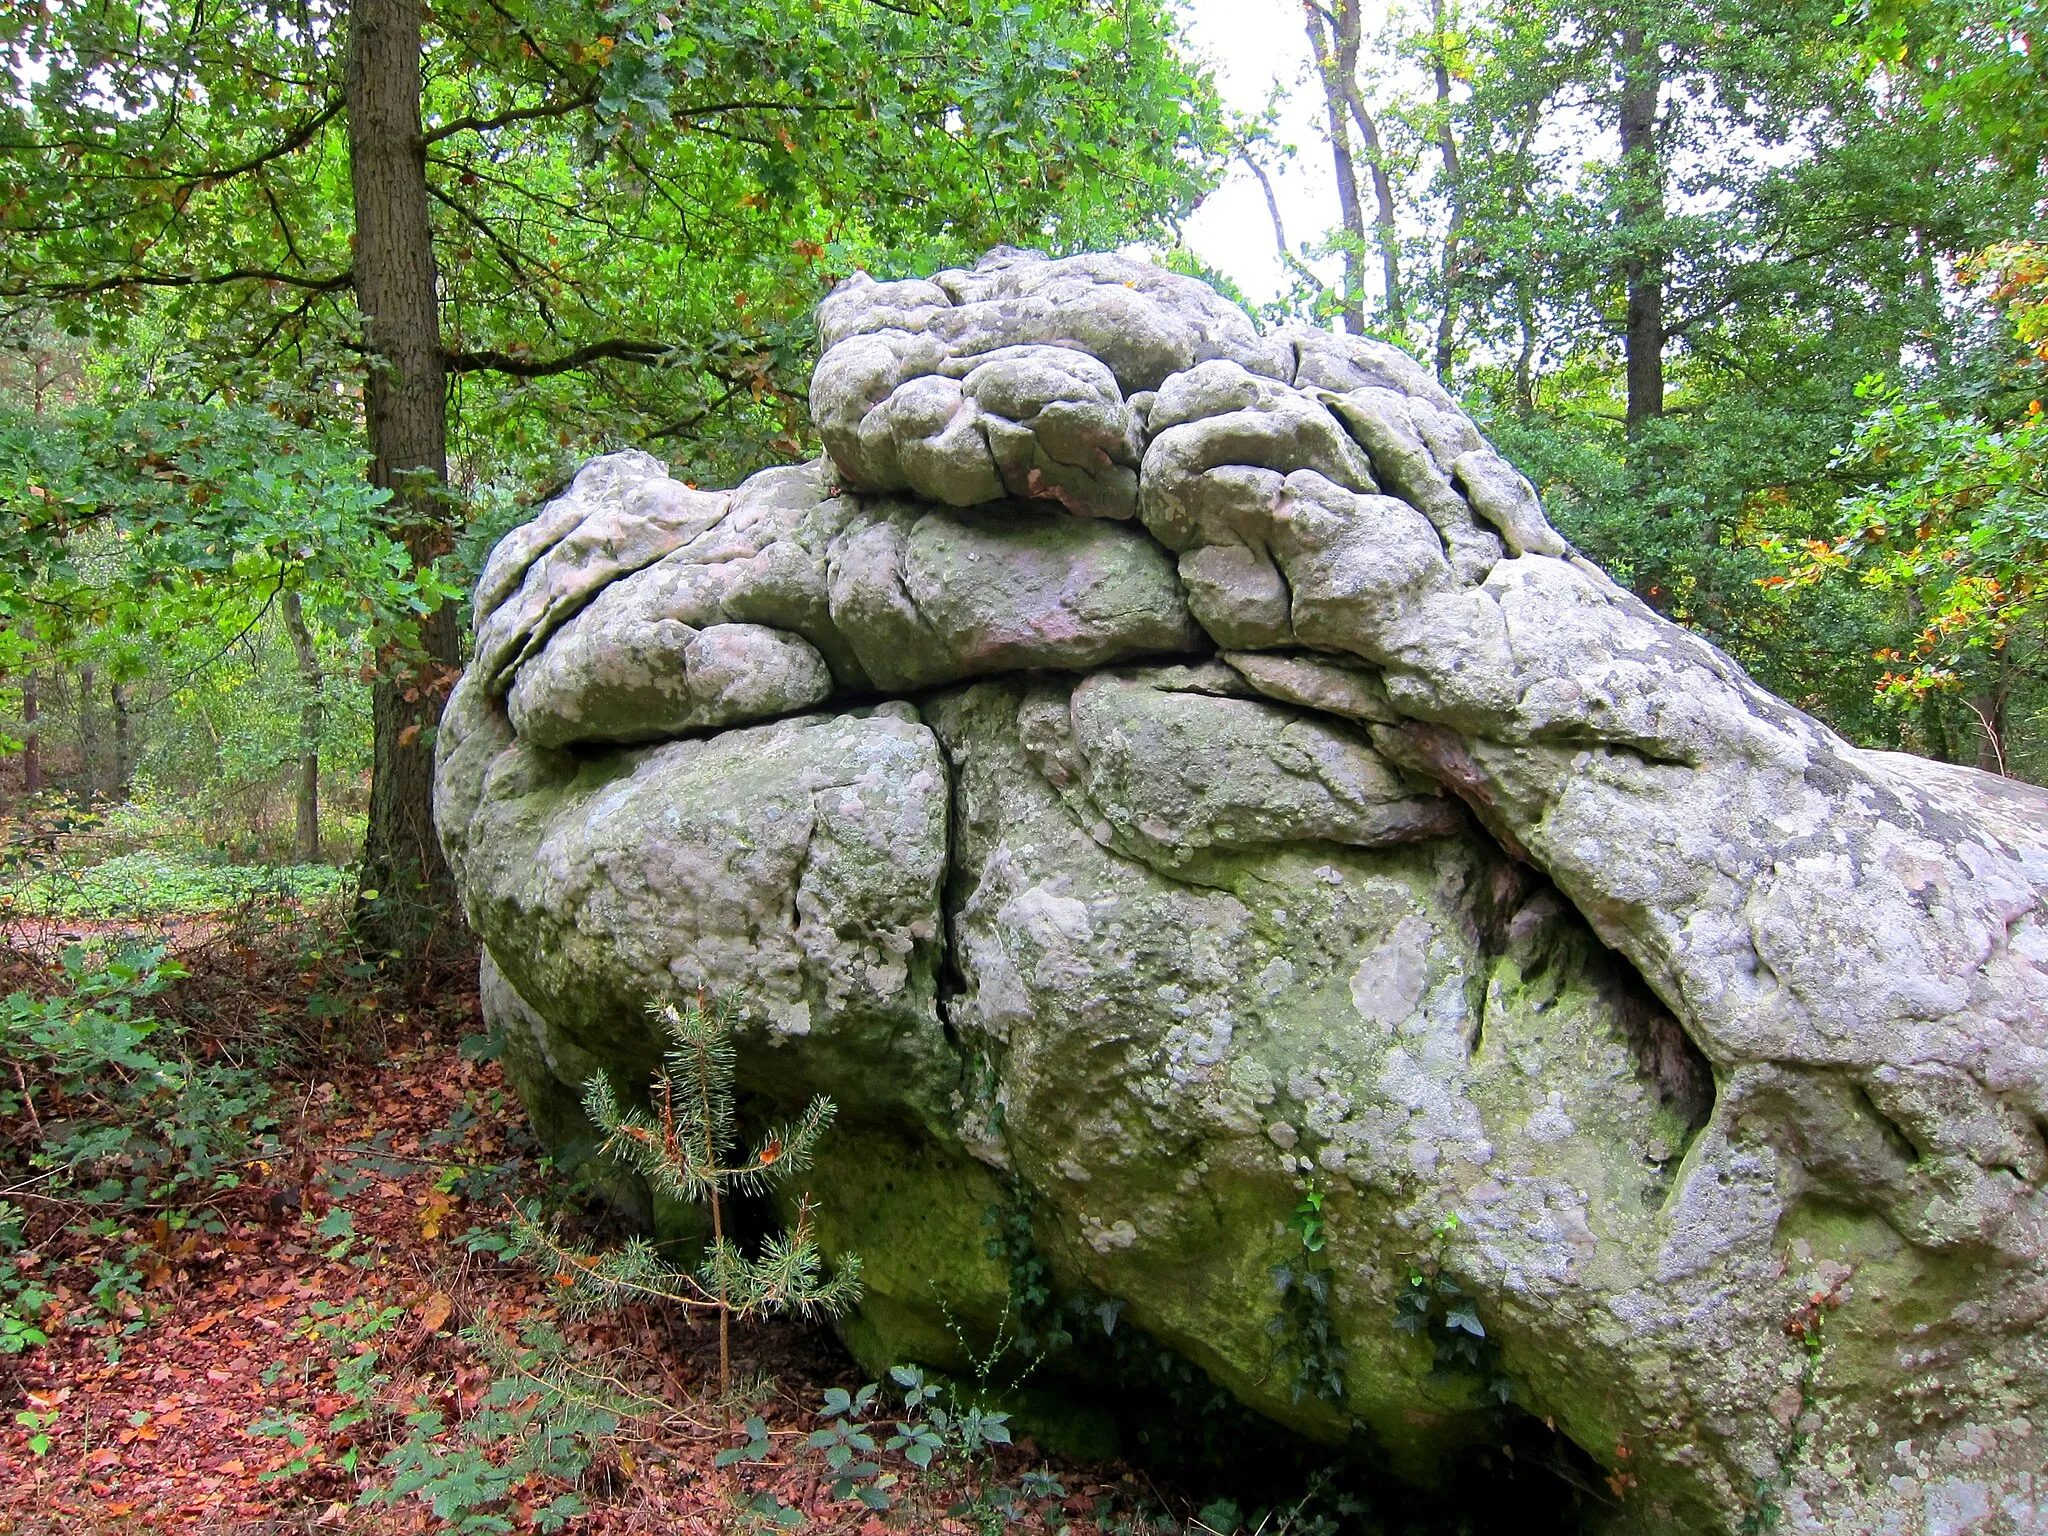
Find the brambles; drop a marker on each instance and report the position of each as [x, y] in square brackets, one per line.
[119, 1109]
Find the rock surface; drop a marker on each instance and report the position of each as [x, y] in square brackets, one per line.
[1220, 782]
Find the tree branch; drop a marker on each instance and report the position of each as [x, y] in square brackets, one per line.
[623, 349]
[1294, 262]
[1738, 289]
[297, 139]
[513, 115]
[332, 284]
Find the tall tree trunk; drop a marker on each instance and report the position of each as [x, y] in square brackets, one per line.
[404, 401]
[1320, 51]
[88, 733]
[31, 738]
[1454, 184]
[1525, 357]
[119, 695]
[1990, 709]
[1934, 733]
[306, 822]
[1642, 213]
[1349, 28]
[1930, 285]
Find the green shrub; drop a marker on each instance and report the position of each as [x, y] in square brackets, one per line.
[115, 1112]
[126, 1113]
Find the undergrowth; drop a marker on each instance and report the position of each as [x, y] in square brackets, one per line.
[60, 862]
[123, 1130]
[144, 885]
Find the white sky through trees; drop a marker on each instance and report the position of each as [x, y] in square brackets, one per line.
[1253, 44]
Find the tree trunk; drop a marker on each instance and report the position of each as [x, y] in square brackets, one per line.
[1454, 184]
[1989, 708]
[1930, 285]
[119, 695]
[1319, 51]
[31, 738]
[88, 734]
[1525, 358]
[306, 821]
[1384, 230]
[1642, 213]
[1934, 733]
[404, 402]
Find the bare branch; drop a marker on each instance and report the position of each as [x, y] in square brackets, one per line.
[1294, 263]
[513, 115]
[86, 290]
[622, 349]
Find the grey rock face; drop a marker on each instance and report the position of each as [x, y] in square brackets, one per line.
[1317, 818]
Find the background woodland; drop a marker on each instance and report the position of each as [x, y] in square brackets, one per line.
[302, 305]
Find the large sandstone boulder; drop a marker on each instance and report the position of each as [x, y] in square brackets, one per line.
[1150, 770]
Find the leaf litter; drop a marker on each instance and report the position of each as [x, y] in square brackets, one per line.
[227, 1392]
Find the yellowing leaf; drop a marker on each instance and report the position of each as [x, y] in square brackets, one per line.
[436, 1312]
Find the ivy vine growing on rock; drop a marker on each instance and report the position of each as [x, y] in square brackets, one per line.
[683, 1144]
[1435, 1306]
[1303, 1327]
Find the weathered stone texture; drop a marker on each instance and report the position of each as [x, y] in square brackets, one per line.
[1154, 767]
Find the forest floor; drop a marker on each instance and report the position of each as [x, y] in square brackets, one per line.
[268, 1356]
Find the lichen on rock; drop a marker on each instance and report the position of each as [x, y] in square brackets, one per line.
[1149, 769]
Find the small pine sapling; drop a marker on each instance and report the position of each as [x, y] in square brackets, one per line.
[684, 1145]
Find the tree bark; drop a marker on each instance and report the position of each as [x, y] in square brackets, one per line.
[306, 817]
[1352, 307]
[119, 694]
[1989, 707]
[1930, 285]
[1642, 212]
[1934, 741]
[405, 404]
[31, 738]
[1349, 28]
[1525, 356]
[1454, 184]
[88, 733]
